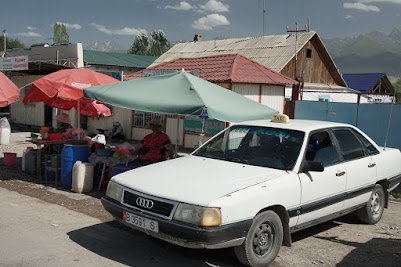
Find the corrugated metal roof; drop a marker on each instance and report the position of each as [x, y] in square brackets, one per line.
[363, 82]
[93, 57]
[224, 68]
[273, 51]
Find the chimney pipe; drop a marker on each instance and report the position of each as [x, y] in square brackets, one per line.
[197, 38]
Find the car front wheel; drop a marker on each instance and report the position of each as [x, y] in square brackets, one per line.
[373, 211]
[262, 242]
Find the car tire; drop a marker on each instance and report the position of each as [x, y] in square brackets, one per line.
[263, 241]
[372, 212]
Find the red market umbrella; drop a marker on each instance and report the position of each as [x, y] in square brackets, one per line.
[9, 92]
[63, 89]
[94, 109]
[87, 107]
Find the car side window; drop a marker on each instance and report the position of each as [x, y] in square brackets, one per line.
[368, 145]
[321, 148]
[349, 144]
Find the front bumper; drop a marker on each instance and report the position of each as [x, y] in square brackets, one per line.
[183, 234]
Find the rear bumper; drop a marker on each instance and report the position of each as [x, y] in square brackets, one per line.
[184, 234]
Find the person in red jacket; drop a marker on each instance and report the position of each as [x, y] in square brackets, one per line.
[154, 147]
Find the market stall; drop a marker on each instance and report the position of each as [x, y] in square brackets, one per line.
[181, 94]
[63, 90]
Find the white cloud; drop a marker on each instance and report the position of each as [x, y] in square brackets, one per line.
[215, 6]
[123, 31]
[209, 22]
[70, 26]
[31, 28]
[380, 1]
[182, 6]
[348, 17]
[361, 6]
[28, 34]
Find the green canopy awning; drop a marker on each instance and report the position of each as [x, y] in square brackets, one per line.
[180, 93]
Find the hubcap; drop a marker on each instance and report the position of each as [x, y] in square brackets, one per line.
[375, 205]
[263, 239]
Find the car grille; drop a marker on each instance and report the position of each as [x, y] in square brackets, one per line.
[159, 206]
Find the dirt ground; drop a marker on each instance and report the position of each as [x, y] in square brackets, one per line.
[343, 242]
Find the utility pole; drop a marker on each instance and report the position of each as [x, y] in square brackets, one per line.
[296, 45]
[297, 89]
[264, 13]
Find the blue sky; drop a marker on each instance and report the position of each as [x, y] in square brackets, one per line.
[120, 21]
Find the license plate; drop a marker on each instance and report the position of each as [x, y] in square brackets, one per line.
[141, 222]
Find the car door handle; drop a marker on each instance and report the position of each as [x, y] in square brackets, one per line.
[371, 165]
[340, 173]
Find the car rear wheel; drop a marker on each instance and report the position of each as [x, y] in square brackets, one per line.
[262, 242]
[373, 211]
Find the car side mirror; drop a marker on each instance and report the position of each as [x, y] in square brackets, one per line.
[313, 166]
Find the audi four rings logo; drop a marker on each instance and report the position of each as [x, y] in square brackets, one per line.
[144, 203]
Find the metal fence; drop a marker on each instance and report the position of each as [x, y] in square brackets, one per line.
[381, 122]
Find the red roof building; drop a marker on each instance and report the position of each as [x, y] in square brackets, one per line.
[233, 68]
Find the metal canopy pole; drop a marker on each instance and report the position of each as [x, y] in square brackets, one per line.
[79, 120]
[177, 136]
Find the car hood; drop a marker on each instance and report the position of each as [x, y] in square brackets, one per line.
[195, 180]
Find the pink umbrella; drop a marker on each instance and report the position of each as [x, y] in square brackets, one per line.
[9, 92]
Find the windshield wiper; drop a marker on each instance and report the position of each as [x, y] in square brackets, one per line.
[238, 160]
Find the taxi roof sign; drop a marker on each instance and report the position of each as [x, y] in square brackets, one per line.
[280, 118]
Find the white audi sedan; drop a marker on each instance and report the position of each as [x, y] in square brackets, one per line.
[255, 183]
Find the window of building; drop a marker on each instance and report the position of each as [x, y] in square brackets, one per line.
[308, 53]
[325, 98]
[141, 119]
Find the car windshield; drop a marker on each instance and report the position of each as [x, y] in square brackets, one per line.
[255, 145]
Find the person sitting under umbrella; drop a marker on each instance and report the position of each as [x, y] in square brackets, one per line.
[153, 147]
[117, 132]
[65, 123]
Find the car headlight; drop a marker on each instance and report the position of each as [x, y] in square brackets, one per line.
[198, 215]
[114, 191]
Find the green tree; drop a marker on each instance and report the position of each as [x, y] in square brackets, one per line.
[60, 35]
[159, 43]
[155, 45]
[11, 43]
[140, 45]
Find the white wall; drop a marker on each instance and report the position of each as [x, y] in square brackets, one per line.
[250, 91]
[334, 96]
[268, 95]
[174, 131]
[273, 96]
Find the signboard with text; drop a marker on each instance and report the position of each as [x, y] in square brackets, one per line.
[14, 63]
[151, 73]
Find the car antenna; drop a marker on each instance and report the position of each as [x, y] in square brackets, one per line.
[389, 121]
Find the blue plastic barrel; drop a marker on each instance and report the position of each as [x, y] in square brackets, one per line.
[70, 155]
[119, 168]
[30, 162]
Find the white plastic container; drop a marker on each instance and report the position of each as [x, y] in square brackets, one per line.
[82, 177]
[5, 135]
